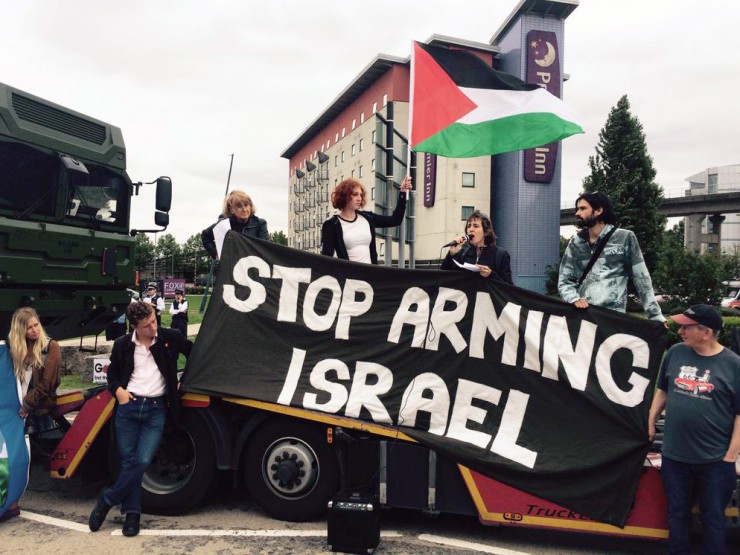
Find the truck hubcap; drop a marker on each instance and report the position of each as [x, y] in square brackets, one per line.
[290, 468]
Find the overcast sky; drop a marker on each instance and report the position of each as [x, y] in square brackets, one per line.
[190, 83]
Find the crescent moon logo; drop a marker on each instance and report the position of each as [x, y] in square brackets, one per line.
[549, 58]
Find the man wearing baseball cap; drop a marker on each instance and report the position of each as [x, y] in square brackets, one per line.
[699, 388]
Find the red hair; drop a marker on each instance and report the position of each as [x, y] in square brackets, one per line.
[343, 192]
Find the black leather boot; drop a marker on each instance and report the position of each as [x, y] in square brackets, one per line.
[131, 525]
[98, 514]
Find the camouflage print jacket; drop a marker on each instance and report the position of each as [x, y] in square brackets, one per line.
[606, 283]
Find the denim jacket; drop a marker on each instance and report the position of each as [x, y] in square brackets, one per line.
[606, 283]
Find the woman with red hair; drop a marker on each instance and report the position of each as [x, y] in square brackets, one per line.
[351, 232]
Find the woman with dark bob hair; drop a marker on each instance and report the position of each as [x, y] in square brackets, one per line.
[351, 232]
[480, 250]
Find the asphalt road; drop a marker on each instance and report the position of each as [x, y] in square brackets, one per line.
[54, 520]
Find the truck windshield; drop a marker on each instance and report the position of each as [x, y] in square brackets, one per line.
[37, 186]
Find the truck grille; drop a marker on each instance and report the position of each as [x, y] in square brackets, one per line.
[51, 118]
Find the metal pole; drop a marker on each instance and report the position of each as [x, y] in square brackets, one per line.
[409, 210]
[154, 270]
[204, 300]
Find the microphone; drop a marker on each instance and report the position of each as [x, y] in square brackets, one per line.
[453, 243]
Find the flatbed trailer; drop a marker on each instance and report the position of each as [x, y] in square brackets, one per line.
[293, 461]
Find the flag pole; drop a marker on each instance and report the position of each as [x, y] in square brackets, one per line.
[409, 196]
[212, 270]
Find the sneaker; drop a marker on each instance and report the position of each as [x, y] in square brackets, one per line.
[131, 524]
[98, 514]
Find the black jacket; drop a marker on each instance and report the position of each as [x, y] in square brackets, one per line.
[499, 272]
[332, 238]
[169, 345]
[253, 227]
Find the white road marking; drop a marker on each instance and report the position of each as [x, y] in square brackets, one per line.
[470, 545]
[246, 533]
[43, 519]
[84, 528]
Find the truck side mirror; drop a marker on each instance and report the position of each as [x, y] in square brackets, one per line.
[164, 195]
[162, 219]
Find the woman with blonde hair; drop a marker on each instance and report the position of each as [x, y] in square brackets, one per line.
[35, 359]
[238, 214]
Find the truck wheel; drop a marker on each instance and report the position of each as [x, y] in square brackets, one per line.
[183, 470]
[290, 470]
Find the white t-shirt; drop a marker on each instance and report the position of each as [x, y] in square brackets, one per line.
[146, 379]
[357, 239]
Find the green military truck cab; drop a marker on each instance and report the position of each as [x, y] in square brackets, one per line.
[66, 247]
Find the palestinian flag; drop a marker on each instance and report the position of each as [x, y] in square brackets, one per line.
[461, 107]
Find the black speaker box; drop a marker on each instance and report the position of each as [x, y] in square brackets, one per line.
[353, 523]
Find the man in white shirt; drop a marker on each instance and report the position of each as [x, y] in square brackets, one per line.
[157, 301]
[142, 376]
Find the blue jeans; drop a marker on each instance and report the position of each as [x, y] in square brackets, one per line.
[712, 484]
[139, 427]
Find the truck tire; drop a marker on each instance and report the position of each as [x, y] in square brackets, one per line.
[290, 470]
[183, 470]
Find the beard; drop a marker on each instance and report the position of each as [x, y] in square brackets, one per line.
[586, 223]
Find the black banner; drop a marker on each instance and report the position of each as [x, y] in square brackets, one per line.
[519, 386]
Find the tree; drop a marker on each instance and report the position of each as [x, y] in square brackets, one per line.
[553, 271]
[195, 257]
[693, 278]
[169, 255]
[144, 252]
[730, 262]
[279, 237]
[624, 171]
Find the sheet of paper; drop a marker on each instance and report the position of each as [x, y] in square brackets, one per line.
[219, 232]
[467, 266]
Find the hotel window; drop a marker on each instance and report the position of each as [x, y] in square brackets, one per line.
[468, 179]
[342, 156]
[336, 138]
[361, 172]
[385, 99]
[344, 132]
[362, 117]
[336, 161]
[372, 137]
[352, 150]
[354, 124]
[352, 173]
[362, 144]
[375, 107]
[372, 165]
[328, 143]
[466, 212]
[372, 193]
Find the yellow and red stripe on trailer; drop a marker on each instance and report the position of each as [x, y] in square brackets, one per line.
[70, 451]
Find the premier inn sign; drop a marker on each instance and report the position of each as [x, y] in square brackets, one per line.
[543, 69]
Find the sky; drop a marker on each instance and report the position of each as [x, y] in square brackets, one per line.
[191, 83]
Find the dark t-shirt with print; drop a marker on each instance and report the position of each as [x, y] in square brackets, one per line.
[703, 397]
